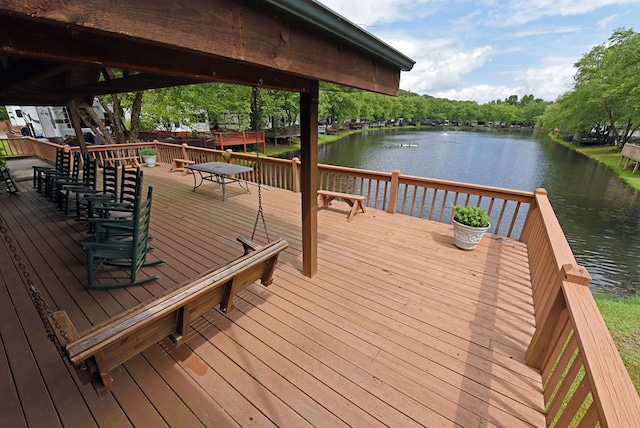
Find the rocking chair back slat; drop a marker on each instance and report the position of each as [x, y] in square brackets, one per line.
[131, 185]
[85, 203]
[124, 247]
[69, 190]
[63, 166]
[69, 173]
[38, 170]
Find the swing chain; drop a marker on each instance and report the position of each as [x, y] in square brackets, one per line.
[260, 213]
[39, 302]
[258, 168]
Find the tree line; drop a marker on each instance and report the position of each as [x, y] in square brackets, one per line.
[227, 105]
[234, 106]
[337, 105]
[605, 96]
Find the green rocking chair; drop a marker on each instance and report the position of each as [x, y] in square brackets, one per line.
[125, 253]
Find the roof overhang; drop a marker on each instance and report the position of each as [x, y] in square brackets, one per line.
[54, 51]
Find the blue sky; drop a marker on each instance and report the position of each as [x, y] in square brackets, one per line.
[486, 50]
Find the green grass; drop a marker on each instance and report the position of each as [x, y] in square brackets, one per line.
[622, 316]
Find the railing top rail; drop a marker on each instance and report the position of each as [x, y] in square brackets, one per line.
[105, 147]
[613, 392]
[383, 176]
[516, 195]
[235, 155]
[562, 253]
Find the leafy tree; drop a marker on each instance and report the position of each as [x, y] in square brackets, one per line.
[281, 105]
[606, 90]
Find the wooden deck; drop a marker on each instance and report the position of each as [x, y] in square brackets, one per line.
[399, 327]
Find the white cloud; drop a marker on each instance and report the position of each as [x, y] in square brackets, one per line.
[463, 52]
[547, 82]
[543, 31]
[606, 22]
[439, 64]
[482, 94]
[367, 13]
[523, 11]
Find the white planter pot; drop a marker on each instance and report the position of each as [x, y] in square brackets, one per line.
[467, 237]
[150, 161]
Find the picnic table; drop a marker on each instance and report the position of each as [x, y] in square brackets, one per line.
[221, 173]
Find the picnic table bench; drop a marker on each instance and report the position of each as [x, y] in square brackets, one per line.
[630, 152]
[180, 164]
[354, 201]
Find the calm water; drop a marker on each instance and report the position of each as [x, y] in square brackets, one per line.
[597, 211]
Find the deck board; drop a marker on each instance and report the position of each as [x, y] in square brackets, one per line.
[398, 328]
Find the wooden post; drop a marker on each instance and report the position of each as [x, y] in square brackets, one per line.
[75, 121]
[295, 175]
[549, 311]
[309, 154]
[393, 192]
[184, 151]
[542, 340]
[533, 211]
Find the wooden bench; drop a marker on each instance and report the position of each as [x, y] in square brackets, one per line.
[354, 201]
[179, 165]
[109, 344]
[630, 152]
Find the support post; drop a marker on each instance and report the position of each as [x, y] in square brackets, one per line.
[184, 150]
[77, 127]
[393, 193]
[295, 175]
[309, 178]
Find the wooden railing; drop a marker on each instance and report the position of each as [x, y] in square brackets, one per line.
[584, 379]
[17, 146]
[585, 382]
[428, 198]
[234, 138]
[393, 192]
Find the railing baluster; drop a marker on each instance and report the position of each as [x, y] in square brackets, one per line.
[513, 219]
[500, 217]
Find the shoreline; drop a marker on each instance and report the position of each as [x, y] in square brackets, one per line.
[606, 155]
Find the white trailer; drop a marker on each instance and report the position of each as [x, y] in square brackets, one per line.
[46, 121]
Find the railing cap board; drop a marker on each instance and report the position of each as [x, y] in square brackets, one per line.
[468, 188]
[611, 385]
[562, 252]
[576, 274]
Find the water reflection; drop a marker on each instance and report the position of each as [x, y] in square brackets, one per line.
[597, 210]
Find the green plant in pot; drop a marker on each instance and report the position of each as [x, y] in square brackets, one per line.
[469, 226]
[149, 156]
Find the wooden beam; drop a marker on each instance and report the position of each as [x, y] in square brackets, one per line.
[309, 155]
[241, 35]
[75, 120]
[155, 66]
